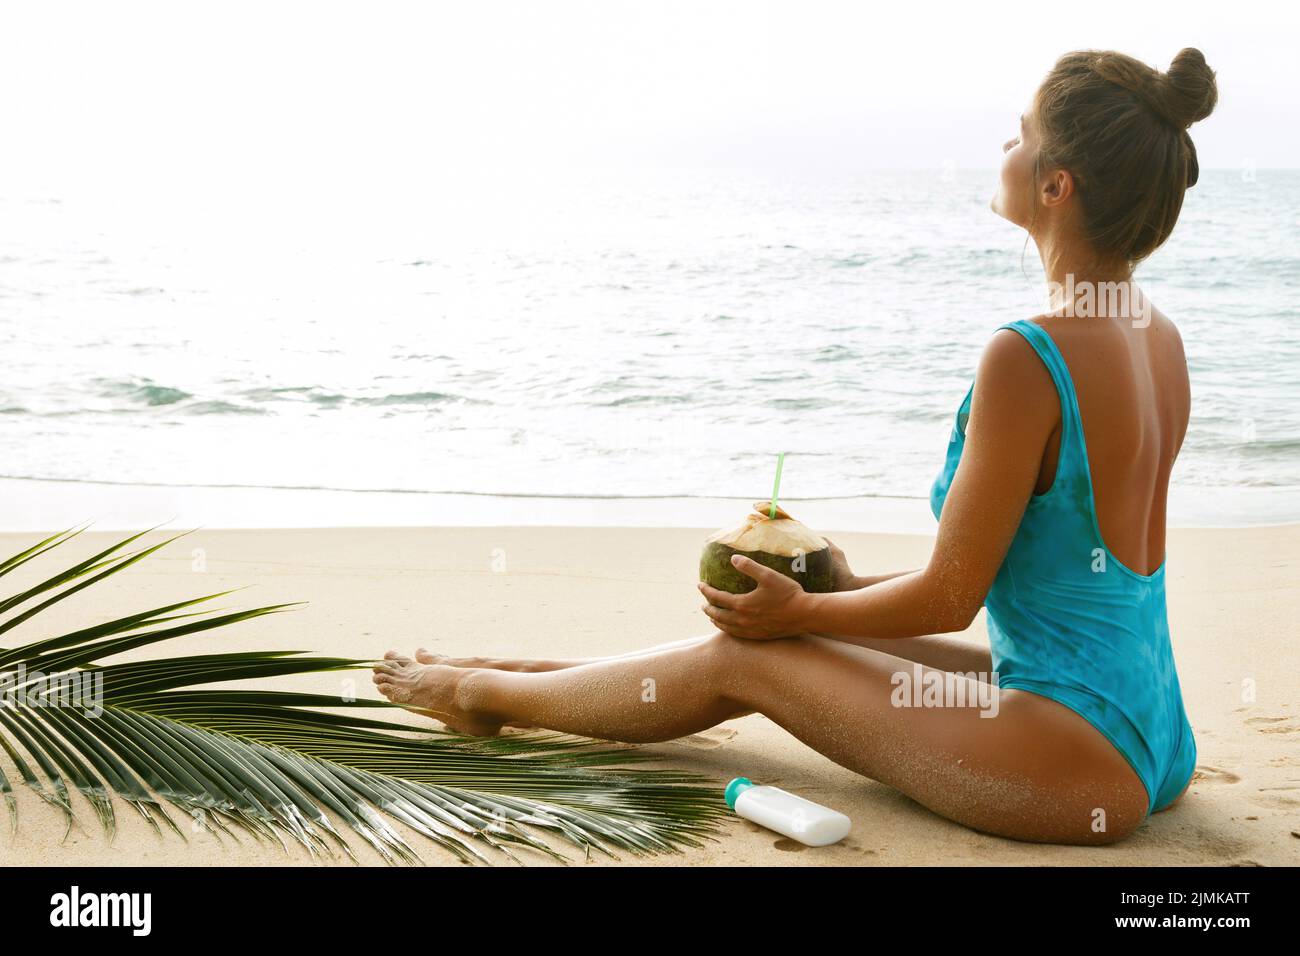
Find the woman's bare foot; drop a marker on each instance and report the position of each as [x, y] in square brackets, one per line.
[431, 689]
[521, 664]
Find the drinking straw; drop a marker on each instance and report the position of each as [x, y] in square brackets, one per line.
[776, 485]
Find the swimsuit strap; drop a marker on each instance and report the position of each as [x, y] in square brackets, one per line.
[1074, 455]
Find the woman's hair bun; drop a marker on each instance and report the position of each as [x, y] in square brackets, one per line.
[1182, 96]
[1190, 89]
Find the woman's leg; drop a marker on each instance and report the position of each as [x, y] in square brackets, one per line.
[535, 664]
[1030, 769]
[530, 665]
[947, 653]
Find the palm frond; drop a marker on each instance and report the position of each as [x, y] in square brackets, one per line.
[282, 766]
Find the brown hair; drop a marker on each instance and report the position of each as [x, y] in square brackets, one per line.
[1120, 128]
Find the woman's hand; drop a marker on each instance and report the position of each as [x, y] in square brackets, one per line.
[842, 576]
[776, 608]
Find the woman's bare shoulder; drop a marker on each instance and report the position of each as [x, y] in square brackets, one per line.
[1012, 375]
[1009, 356]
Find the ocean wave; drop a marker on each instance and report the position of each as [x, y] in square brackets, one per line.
[315, 395]
[418, 398]
[307, 393]
[798, 404]
[850, 262]
[138, 291]
[218, 407]
[835, 353]
[646, 399]
[565, 496]
[143, 391]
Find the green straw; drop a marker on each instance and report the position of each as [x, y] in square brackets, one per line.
[776, 485]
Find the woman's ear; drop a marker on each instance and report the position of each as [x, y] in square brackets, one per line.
[1057, 187]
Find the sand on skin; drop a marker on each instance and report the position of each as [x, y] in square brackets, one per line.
[1234, 600]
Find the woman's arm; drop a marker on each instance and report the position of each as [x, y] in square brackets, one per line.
[858, 582]
[842, 575]
[1014, 411]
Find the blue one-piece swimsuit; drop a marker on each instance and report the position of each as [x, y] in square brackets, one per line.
[1068, 621]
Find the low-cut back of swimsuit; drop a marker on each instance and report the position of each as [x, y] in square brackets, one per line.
[1068, 621]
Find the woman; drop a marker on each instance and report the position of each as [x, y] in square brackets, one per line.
[1054, 521]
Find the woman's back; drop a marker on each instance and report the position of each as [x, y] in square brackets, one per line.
[1130, 379]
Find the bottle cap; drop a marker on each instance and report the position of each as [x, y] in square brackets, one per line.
[736, 788]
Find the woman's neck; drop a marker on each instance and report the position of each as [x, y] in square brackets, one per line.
[1081, 283]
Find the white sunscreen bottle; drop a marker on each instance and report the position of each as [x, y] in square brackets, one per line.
[787, 814]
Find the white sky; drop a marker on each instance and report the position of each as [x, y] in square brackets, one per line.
[238, 97]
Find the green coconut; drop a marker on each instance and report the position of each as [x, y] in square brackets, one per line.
[780, 543]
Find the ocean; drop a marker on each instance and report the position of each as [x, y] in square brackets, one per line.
[659, 335]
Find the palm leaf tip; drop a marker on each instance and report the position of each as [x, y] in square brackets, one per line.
[296, 768]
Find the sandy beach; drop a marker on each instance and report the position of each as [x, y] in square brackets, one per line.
[574, 592]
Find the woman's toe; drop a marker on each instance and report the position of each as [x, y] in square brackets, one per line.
[395, 692]
[394, 663]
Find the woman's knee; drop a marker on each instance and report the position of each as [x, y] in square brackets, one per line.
[724, 659]
[739, 668]
[720, 650]
[728, 650]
